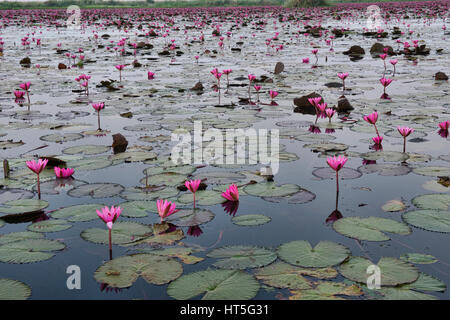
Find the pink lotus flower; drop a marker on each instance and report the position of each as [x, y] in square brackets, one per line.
[273, 94]
[120, 67]
[193, 185]
[63, 172]
[383, 56]
[444, 125]
[343, 76]
[165, 208]
[257, 88]
[251, 77]
[150, 75]
[109, 216]
[37, 168]
[25, 86]
[231, 193]
[330, 113]
[372, 118]
[393, 61]
[377, 140]
[305, 60]
[405, 131]
[336, 163]
[315, 101]
[19, 94]
[98, 106]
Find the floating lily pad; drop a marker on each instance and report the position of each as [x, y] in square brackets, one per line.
[326, 290]
[92, 163]
[389, 156]
[162, 234]
[137, 209]
[385, 169]
[10, 144]
[432, 220]
[242, 257]
[220, 177]
[344, 173]
[122, 232]
[49, 226]
[134, 156]
[122, 272]
[440, 201]
[370, 229]
[2, 223]
[251, 220]
[432, 171]
[270, 189]
[86, 149]
[215, 285]
[190, 217]
[326, 147]
[184, 169]
[13, 290]
[149, 194]
[419, 258]
[202, 198]
[23, 206]
[61, 137]
[96, 190]
[165, 179]
[283, 275]
[182, 253]
[19, 236]
[77, 213]
[435, 186]
[394, 206]
[324, 254]
[28, 251]
[392, 271]
[14, 194]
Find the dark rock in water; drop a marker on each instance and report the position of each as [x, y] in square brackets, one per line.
[216, 32]
[337, 33]
[344, 105]
[137, 64]
[333, 85]
[377, 48]
[119, 143]
[397, 31]
[164, 53]
[236, 49]
[105, 36]
[61, 66]
[440, 76]
[140, 45]
[25, 62]
[107, 84]
[197, 87]
[128, 115]
[279, 67]
[422, 50]
[264, 79]
[303, 105]
[54, 162]
[355, 50]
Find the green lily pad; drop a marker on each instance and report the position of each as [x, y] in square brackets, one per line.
[394, 206]
[11, 194]
[190, 217]
[440, 201]
[326, 147]
[133, 156]
[220, 177]
[165, 179]
[19, 236]
[122, 272]
[61, 137]
[10, 144]
[2, 223]
[327, 290]
[251, 220]
[215, 284]
[136, 193]
[426, 282]
[324, 254]
[14, 290]
[122, 232]
[137, 209]
[283, 275]
[182, 253]
[87, 149]
[389, 156]
[161, 235]
[242, 257]
[270, 189]
[370, 229]
[385, 169]
[92, 163]
[202, 198]
[432, 220]
[433, 171]
[51, 225]
[96, 190]
[184, 169]
[23, 206]
[419, 258]
[28, 251]
[78, 213]
[344, 173]
[392, 271]
[404, 294]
